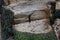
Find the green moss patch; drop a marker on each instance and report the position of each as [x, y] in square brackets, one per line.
[29, 36]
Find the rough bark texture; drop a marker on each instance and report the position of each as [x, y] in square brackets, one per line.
[7, 2]
[28, 14]
[57, 28]
[37, 26]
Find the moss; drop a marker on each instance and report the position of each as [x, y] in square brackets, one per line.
[28, 36]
